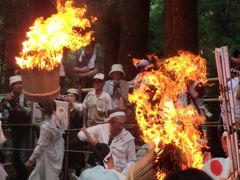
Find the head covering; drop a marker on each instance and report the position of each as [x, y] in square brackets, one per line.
[116, 68]
[73, 91]
[48, 106]
[143, 63]
[14, 79]
[99, 76]
[115, 114]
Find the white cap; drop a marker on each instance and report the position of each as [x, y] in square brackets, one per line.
[143, 63]
[116, 68]
[115, 114]
[99, 76]
[73, 91]
[14, 79]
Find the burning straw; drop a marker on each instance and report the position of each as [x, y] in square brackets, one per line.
[47, 38]
[160, 114]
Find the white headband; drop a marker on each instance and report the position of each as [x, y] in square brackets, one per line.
[115, 114]
[118, 113]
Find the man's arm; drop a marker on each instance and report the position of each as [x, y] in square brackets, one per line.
[93, 131]
[81, 69]
[90, 73]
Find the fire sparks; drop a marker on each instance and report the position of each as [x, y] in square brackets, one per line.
[46, 39]
[162, 117]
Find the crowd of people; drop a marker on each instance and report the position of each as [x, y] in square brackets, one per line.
[97, 122]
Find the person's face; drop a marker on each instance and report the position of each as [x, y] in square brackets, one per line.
[117, 124]
[98, 84]
[17, 87]
[117, 75]
[70, 97]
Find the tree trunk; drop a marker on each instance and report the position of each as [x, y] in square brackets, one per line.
[110, 36]
[180, 26]
[134, 33]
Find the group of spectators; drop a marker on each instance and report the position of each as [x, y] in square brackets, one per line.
[98, 118]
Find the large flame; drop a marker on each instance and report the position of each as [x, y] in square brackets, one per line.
[159, 112]
[46, 39]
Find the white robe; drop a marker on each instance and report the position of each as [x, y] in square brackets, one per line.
[49, 151]
[122, 147]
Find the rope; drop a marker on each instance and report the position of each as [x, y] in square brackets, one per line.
[27, 149]
[208, 124]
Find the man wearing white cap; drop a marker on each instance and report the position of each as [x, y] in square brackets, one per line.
[117, 87]
[97, 102]
[19, 113]
[120, 141]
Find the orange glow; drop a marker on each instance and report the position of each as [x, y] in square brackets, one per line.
[46, 39]
[159, 112]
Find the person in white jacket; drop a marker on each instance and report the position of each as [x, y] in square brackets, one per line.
[120, 141]
[49, 152]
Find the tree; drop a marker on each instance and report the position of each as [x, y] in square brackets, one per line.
[134, 33]
[155, 33]
[180, 26]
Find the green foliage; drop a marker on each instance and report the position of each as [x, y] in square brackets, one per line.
[218, 25]
[156, 27]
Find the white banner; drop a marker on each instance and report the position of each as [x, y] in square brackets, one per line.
[37, 114]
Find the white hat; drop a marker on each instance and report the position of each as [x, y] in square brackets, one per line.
[73, 91]
[115, 114]
[99, 76]
[143, 63]
[14, 79]
[116, 68]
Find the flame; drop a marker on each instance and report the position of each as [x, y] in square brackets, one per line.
[160, 114]
[46, 39]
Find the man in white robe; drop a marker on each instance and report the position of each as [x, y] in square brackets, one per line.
[49, 152]
[120, 141]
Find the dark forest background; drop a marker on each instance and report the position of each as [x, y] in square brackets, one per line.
[132, 28]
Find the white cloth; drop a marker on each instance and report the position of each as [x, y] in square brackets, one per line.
[2, 137]
[234, 85]
[115, 114]
[97, 107]
[98, 173]
[122, 146]
[49, 151]
[91, 63]
[3, 173]
[218, 168]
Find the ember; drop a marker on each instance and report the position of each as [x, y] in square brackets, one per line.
[159, 112]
